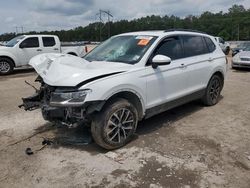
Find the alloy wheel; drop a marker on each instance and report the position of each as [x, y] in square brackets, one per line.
[4, 67]
[120, 125]
[215, 90]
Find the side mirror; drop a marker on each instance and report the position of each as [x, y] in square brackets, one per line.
[160, 60]
[22, 45]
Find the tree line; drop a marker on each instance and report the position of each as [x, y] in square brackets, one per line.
[231, 25]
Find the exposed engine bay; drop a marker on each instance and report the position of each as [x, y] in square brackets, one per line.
[70, 115]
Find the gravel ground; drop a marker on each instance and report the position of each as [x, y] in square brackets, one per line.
[189, 146]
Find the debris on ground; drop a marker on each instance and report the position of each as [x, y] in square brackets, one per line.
[28, 151]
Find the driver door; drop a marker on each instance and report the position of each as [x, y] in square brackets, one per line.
[28, 48]
[169, 82]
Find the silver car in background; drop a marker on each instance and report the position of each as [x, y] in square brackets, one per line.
[242, 59]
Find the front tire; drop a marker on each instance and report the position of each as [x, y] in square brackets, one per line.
[6, 66]
[115, 125]
[213, 91]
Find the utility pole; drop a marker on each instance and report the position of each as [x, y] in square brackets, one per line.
[238, 32]
[21, 29]
[109, 15]
[100, 24]
[100, 16]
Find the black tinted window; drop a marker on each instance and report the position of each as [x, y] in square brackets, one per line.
[194, 45]
[170, 47]
[31, 42]
[48, 41]
[221, 40]
[210, 45]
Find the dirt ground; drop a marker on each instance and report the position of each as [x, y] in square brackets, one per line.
[190, 146]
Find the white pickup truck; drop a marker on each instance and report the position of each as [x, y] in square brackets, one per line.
[18, 51]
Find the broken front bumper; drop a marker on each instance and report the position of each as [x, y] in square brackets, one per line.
[31, 103]
[68, 115]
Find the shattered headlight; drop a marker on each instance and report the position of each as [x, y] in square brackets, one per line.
[75, 98]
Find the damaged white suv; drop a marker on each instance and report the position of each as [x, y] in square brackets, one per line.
[128, 78]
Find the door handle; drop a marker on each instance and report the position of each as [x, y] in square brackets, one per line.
[183, 66]
[210, 59]
[39, 50]
[55, 49]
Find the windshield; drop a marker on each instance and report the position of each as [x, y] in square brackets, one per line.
[14, 41]
[125, 49]
[247, 48]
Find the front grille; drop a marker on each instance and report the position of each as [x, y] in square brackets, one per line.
[245, 59]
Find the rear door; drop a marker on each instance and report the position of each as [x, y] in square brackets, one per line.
[50, 45]
[168, 82]
[198, 60]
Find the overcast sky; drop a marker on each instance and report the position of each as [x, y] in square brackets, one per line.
[42, 15]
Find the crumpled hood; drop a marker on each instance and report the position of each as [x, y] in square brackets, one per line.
[4, 48]
[68, 70]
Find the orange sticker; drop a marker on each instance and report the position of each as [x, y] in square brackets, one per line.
[143, 42]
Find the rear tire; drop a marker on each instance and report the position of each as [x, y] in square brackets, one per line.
[6, 66]
[213, 91]
[115, 125]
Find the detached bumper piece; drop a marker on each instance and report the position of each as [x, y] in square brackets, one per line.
[31, 103]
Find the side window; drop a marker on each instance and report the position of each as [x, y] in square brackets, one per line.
[194, 45]
[31, 42]
[170, 47]
[221, 41]
[48, 41]
[210, 44]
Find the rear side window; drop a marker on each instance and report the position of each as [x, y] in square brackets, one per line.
[194, 45]
[31, 42]
[48, 41]
[170, 47]
[221, 40]
[210, 44]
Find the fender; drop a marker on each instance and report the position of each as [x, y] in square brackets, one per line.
[142, 100]
[219, 69]
[70, 51]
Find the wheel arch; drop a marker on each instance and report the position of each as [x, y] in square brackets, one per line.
[132, 97]
[220, 74]
[10, 58]
[72, 53]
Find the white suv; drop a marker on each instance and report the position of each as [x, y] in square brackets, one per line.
[128, 78]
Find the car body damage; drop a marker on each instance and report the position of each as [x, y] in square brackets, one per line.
[127, 78]
[66, 70]
[61, 74]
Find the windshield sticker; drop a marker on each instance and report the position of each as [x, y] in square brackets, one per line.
[143, 42]
[144, 37]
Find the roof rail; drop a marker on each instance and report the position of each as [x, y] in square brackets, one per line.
[189, 30]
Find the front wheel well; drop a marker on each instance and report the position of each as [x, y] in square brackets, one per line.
[132, 98]
[9, 59]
